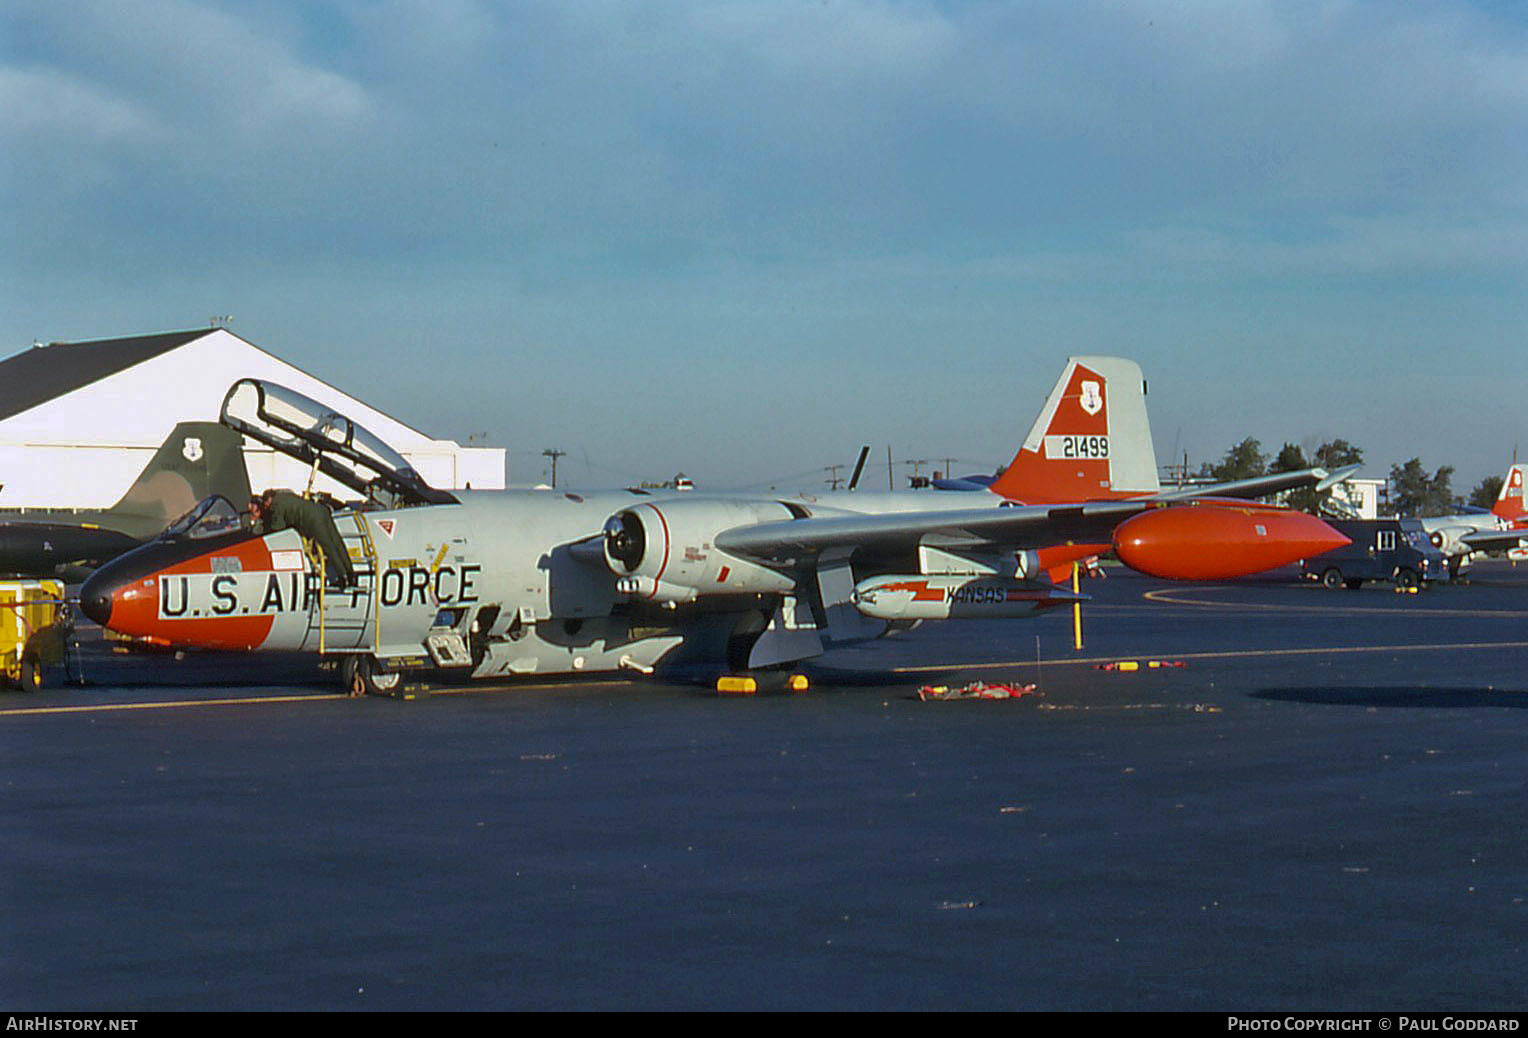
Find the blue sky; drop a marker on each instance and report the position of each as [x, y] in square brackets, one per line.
[742, 238]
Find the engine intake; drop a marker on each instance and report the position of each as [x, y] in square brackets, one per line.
[666, 552]
[625, 541]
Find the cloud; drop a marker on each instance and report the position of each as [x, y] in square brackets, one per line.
[672, 134]
[163, 81]
[811, 182]
[52, 102]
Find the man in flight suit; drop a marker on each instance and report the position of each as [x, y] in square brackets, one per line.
[281, 510]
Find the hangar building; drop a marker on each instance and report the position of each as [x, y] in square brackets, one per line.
[80, 420]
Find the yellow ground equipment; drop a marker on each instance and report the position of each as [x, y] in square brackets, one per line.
[34, 629]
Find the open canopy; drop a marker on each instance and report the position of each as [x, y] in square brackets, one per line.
[312, 433]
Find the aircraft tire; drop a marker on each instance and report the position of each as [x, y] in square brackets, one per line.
[361, 676]
[1332, 578]
[350, 676]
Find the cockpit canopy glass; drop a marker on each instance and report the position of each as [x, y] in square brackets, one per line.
[314, 434]
[290, 419]
[211, 517]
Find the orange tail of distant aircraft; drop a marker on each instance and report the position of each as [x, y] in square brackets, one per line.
[1091, 441]
[1510, 509]
[1509, 504]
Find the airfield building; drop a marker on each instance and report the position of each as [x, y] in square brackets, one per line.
[80, 420]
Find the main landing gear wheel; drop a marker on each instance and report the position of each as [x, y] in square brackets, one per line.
[363, 676]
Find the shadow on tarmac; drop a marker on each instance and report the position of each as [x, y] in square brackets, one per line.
[1414, 698]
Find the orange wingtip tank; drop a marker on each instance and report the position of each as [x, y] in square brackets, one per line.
[1217, 541]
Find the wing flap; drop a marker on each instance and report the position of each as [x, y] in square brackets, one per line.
[793, 540]
[1495, 540]
[1263, 486]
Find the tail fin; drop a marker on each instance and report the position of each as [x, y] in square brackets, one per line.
[1509, 504]
[199, 459]
[1091, 441]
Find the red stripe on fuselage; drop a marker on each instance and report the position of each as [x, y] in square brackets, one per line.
[659, 578]
[135, 608]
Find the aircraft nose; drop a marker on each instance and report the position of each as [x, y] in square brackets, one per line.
[96, 597]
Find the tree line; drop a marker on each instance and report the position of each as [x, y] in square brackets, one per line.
[1413, 490]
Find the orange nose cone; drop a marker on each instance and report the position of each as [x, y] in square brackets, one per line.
[1217, 542]
[172, 593]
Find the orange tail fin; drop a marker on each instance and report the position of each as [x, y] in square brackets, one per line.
[1091, 441]
[1509, 504]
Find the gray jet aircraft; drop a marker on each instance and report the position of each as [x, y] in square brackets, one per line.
[1504, 527]
[519, 582]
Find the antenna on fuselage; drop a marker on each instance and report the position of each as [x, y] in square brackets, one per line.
[859, 466]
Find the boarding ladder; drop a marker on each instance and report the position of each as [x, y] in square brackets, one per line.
[348, 621]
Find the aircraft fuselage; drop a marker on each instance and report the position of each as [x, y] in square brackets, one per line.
[542, 581]
[504, 582]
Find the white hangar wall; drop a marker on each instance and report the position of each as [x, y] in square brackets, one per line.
[83, 448]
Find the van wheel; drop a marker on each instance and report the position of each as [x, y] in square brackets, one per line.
[1332, 578]
[31, 674]
[1406, 578]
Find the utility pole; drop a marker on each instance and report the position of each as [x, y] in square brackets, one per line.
[554, 454]
[833, 479]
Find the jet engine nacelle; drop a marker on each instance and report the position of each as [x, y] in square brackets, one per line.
[1219, 540]
[958, 596]
[1450, 539]
[665, 552]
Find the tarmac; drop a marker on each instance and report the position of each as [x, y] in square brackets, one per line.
[1313, 802]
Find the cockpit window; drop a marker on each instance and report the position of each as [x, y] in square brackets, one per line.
[211, 516]
[307, 430]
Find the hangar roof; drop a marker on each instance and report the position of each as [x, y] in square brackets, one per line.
[41, 373]
[78, 419]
